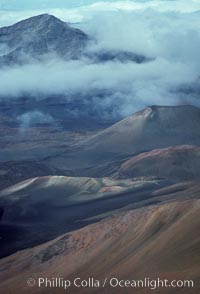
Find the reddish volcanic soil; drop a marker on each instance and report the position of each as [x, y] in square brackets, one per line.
[176, 163]
[143, 221]
[155, 127]
[156, 241]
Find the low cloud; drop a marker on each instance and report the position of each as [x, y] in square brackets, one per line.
[169, 35]
[33, 118]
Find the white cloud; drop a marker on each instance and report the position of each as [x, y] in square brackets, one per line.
[84, 10]
[35, 117]
[130, 86]
[168, 31]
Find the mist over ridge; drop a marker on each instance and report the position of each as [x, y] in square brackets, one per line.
[169, 39]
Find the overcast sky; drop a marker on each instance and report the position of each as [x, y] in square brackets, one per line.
[79, 10]
[38, 4]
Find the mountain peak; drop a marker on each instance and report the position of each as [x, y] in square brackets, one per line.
[146, 130]
[172, 110]
[43, 17]
[40, 35]
[38, 21]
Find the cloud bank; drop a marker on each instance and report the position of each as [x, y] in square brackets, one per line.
[168, 32]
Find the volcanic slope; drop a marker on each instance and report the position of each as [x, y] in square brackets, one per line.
[155, 127]
[154, 241]
[177, 163]
[43, 208]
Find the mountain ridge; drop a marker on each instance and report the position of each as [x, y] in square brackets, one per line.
[38, 36]
[43, 34]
